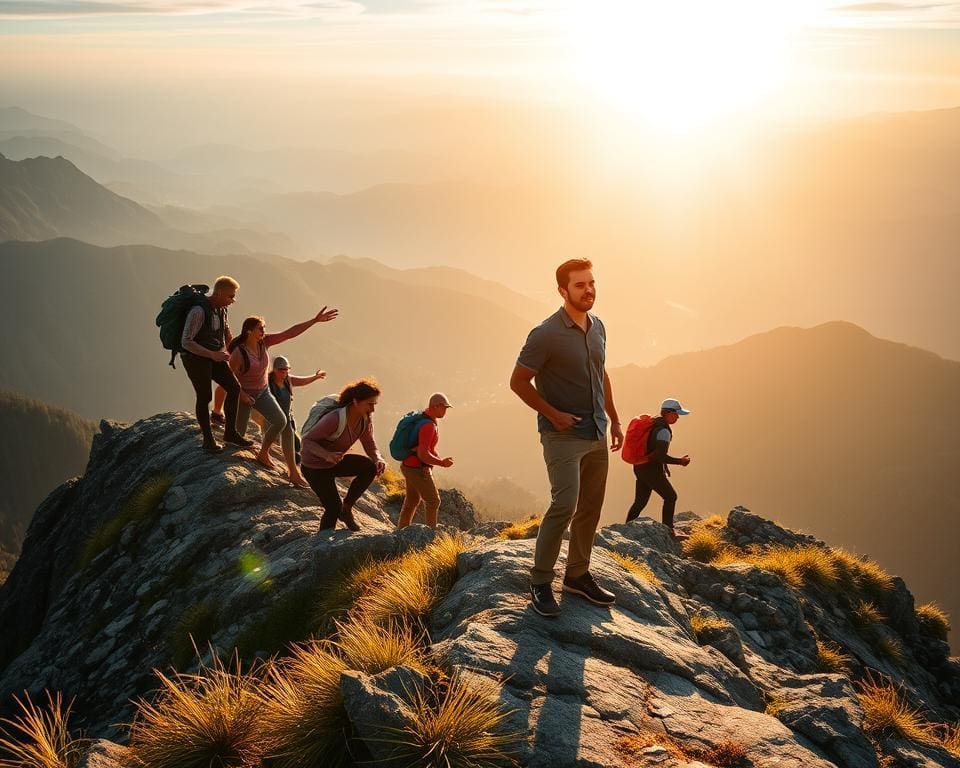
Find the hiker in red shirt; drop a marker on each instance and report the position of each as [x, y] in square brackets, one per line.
[417, 468]
[652, 474]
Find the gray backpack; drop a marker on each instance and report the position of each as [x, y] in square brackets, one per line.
[321, 408]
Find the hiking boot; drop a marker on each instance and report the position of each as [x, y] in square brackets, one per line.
[349, 521]
[544, 603]
[217, 418]
[586, 587]
[237, 439]
[212, 446]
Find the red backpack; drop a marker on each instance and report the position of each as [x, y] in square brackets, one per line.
[635, 442]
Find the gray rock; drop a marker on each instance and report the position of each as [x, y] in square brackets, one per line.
[175, 498]
[106, 754]
[376, 712]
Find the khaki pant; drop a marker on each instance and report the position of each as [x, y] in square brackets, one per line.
[420, 485]
[577, 469]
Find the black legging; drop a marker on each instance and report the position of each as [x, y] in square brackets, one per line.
[202, 371]
[323, 482]
[651, 477]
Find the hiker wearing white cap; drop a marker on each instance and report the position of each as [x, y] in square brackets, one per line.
[281, 385]
[417, 467]
[573, 397]
[653, 473]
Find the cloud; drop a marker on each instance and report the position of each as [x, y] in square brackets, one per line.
[919, 14]
[65, 9]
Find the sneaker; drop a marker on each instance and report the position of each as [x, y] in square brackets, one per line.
[217, 418]
[586, 587]
[236, 439]
[212, 446]
[544, 603]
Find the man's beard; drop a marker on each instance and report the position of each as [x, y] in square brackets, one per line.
[584, 304]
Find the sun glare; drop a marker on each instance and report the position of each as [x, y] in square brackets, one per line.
[682, 65]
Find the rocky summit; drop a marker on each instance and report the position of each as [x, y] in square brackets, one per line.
[745, 645]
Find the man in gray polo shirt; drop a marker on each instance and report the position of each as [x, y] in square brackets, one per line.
[566, 355]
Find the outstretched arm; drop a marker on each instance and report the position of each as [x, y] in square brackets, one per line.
[300, 381]
[323, 316]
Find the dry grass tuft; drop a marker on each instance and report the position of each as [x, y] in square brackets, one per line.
[704, 626]
[415, 582]
[933, 621]
[525, 529]
[373, 649]
[463, 729]
[866, 615]
[799, 566]
[775, 706]
[890, 648]
[393, 485]
[202, 720]
[887, 713]
[636, 567]
[40, 738]
[304, 723]
[726, 754]
[831, 658]
[339, 595]
[140, 505]
[714, 521]
[950, 738]
[704, 545]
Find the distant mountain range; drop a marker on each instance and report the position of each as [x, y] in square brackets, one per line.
[44, 446]
[830, 429]
[88, 312]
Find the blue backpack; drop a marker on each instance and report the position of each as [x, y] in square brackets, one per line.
[405, 436]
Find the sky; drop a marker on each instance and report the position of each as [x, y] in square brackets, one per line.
[677, 66]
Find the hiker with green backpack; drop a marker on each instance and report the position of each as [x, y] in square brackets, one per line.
[645, 447]
[195, 325]
[414, 445]
[335, 423]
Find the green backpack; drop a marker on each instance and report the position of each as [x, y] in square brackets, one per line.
[406, 434]
[173, 316]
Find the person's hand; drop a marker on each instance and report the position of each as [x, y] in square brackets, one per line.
[334, 456]
[221, 356]
[616, 436]
[246, 399]
[685, 459]
[381, 465]
[563, 421]
[447, 462]
[326, 315]
[321, 374]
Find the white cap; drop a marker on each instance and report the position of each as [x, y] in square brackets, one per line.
[671, 404]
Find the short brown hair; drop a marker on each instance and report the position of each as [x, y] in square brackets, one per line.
[571, 265]
[225, 281]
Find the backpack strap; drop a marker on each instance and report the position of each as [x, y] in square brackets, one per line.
[341, 424]
[658, 423]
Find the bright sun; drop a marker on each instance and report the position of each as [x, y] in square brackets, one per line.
[679, 65]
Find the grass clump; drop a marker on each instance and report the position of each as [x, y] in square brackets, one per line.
[194, 629]
[524, 529]
[950, 738]
[415, 582]
[866, 615]
[38, 737]
[636, 567]
[199, 721]
[799, 566]
[704, 544]
[832, 659]
[890, 648]
[393, 485]
[371, 648]
[304, 723]
[860, 574]
[725, 754]
[705, 626]
[933, 621]
[887, 713]
[462, 728]
[339, 595]
[140, 505]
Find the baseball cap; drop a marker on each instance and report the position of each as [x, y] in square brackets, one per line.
[439, 399]
[671, 404]
[280, 362]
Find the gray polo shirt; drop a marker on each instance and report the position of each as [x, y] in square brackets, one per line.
[569, 367]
